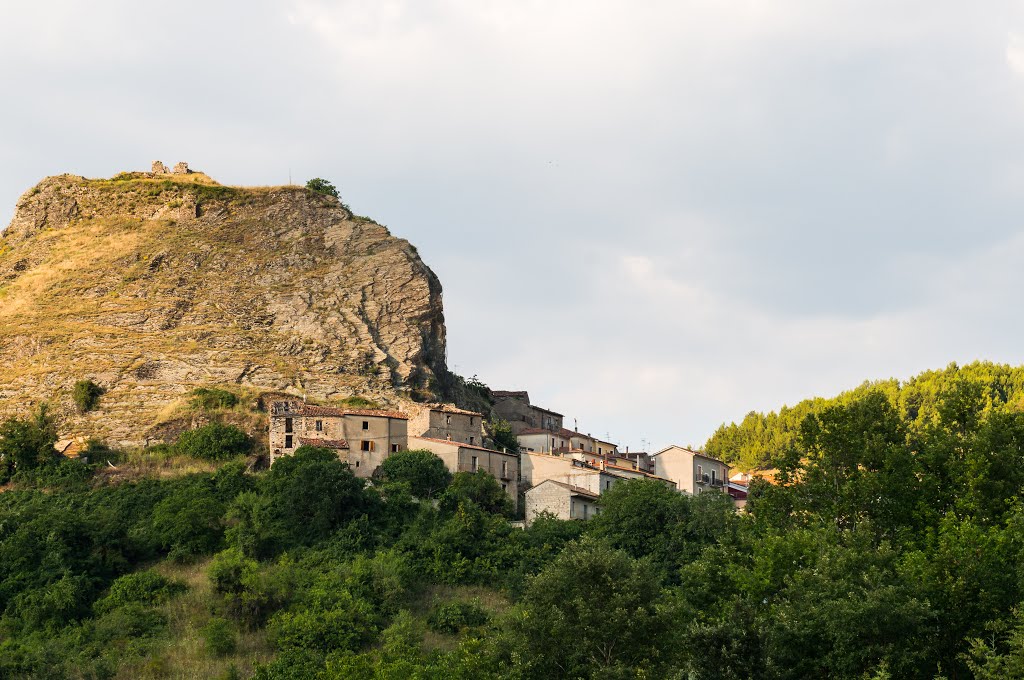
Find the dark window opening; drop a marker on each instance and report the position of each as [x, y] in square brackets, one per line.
[288, 425]
[287, 441]
[366, 424]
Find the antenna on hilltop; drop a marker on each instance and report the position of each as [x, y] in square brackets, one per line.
[289, 176]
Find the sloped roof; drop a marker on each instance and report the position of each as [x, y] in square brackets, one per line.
[577, 490]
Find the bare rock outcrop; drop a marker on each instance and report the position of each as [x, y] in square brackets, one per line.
[154, 286]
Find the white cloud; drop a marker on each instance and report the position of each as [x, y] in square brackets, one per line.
[654, 216]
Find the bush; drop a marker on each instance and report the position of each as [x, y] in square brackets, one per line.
[86, 394]
[359, 402]
[452, 617]
[27, 444]
[219, 637]
[214, 441]
[142, 587]
[322, 186]
[209, 398]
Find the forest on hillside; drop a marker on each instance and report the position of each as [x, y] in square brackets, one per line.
[890, 548]
[760, 440]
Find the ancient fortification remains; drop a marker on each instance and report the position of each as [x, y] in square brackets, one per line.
[180, 168]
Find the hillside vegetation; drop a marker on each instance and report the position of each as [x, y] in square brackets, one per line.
[891, 548]
[762, 440]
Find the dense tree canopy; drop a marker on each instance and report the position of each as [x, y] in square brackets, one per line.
[890, 547]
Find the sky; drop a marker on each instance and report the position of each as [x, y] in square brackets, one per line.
[655, 216]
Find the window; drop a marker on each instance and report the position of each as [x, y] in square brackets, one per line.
[357, 463]
[471, 421]
[447, 420]
[586, 508]
[504, 486]
[366, 424]
[288, 425]
[319, 426]
[394, 448]
[471, 441]
[504, 469]
[366, 445]
[474, 464]
[607, 484]
[713, 476]
[288, 441]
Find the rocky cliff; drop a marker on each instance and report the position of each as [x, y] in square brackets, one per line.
[153, 285]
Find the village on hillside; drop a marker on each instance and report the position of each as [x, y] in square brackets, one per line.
[554, 470]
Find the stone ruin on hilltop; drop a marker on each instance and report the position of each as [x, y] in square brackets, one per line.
[181, 168]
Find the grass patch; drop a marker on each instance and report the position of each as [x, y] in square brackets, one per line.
[192, 617]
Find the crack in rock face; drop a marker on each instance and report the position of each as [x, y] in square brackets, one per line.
[153, 284]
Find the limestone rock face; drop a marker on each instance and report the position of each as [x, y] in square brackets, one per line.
[152, 286]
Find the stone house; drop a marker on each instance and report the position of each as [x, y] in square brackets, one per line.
[447, 422]
[461, 457]
[515, 407]
[563, 441]
[692, 471]
[361, 437]
[561, 499]
[593, 476]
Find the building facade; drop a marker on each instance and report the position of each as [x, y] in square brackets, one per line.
[459, 457]
[516, 409]
[443, 421]
[561, 499]
[692, 471]
[363, 438]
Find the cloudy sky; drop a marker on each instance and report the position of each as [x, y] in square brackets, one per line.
[655, 216]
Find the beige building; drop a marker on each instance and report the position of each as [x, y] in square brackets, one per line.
[576, 472]
[363, 438]
[561, 499]
[459, 457]
[515, 407]
[692, 471]
[563, 441]
[447, 422]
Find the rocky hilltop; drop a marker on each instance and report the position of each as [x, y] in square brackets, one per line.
[153, 284]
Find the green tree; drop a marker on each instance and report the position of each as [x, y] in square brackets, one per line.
[214, 441]
[503, 437]
[479, 488]
[423, 472]
[27, 444]
[562, 628]
[322, 186]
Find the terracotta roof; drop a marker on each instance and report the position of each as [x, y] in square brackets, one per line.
[324, 443]
[578, 490]
[461, 445]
